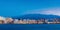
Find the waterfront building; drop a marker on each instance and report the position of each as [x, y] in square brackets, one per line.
[2, 19]
[50, 21]
[33, 21]
[9, 20]
[22, 21]
[41, 21]
[16, 21]
[57, 20]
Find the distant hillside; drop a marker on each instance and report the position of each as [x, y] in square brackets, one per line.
[36, 16]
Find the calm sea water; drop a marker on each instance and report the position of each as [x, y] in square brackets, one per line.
[29, 26]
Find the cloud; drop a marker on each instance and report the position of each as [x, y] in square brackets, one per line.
[48, 11]
[55, 11]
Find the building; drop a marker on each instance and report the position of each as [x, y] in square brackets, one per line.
[16, 21]
[2, 19]
[9, 20]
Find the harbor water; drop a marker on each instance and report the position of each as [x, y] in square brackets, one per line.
[29, 26]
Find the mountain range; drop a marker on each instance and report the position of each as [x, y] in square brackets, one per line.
[36, 16]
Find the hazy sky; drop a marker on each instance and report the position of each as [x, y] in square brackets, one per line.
[19, 7]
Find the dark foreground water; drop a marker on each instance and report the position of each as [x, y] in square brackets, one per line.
[30, 27]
